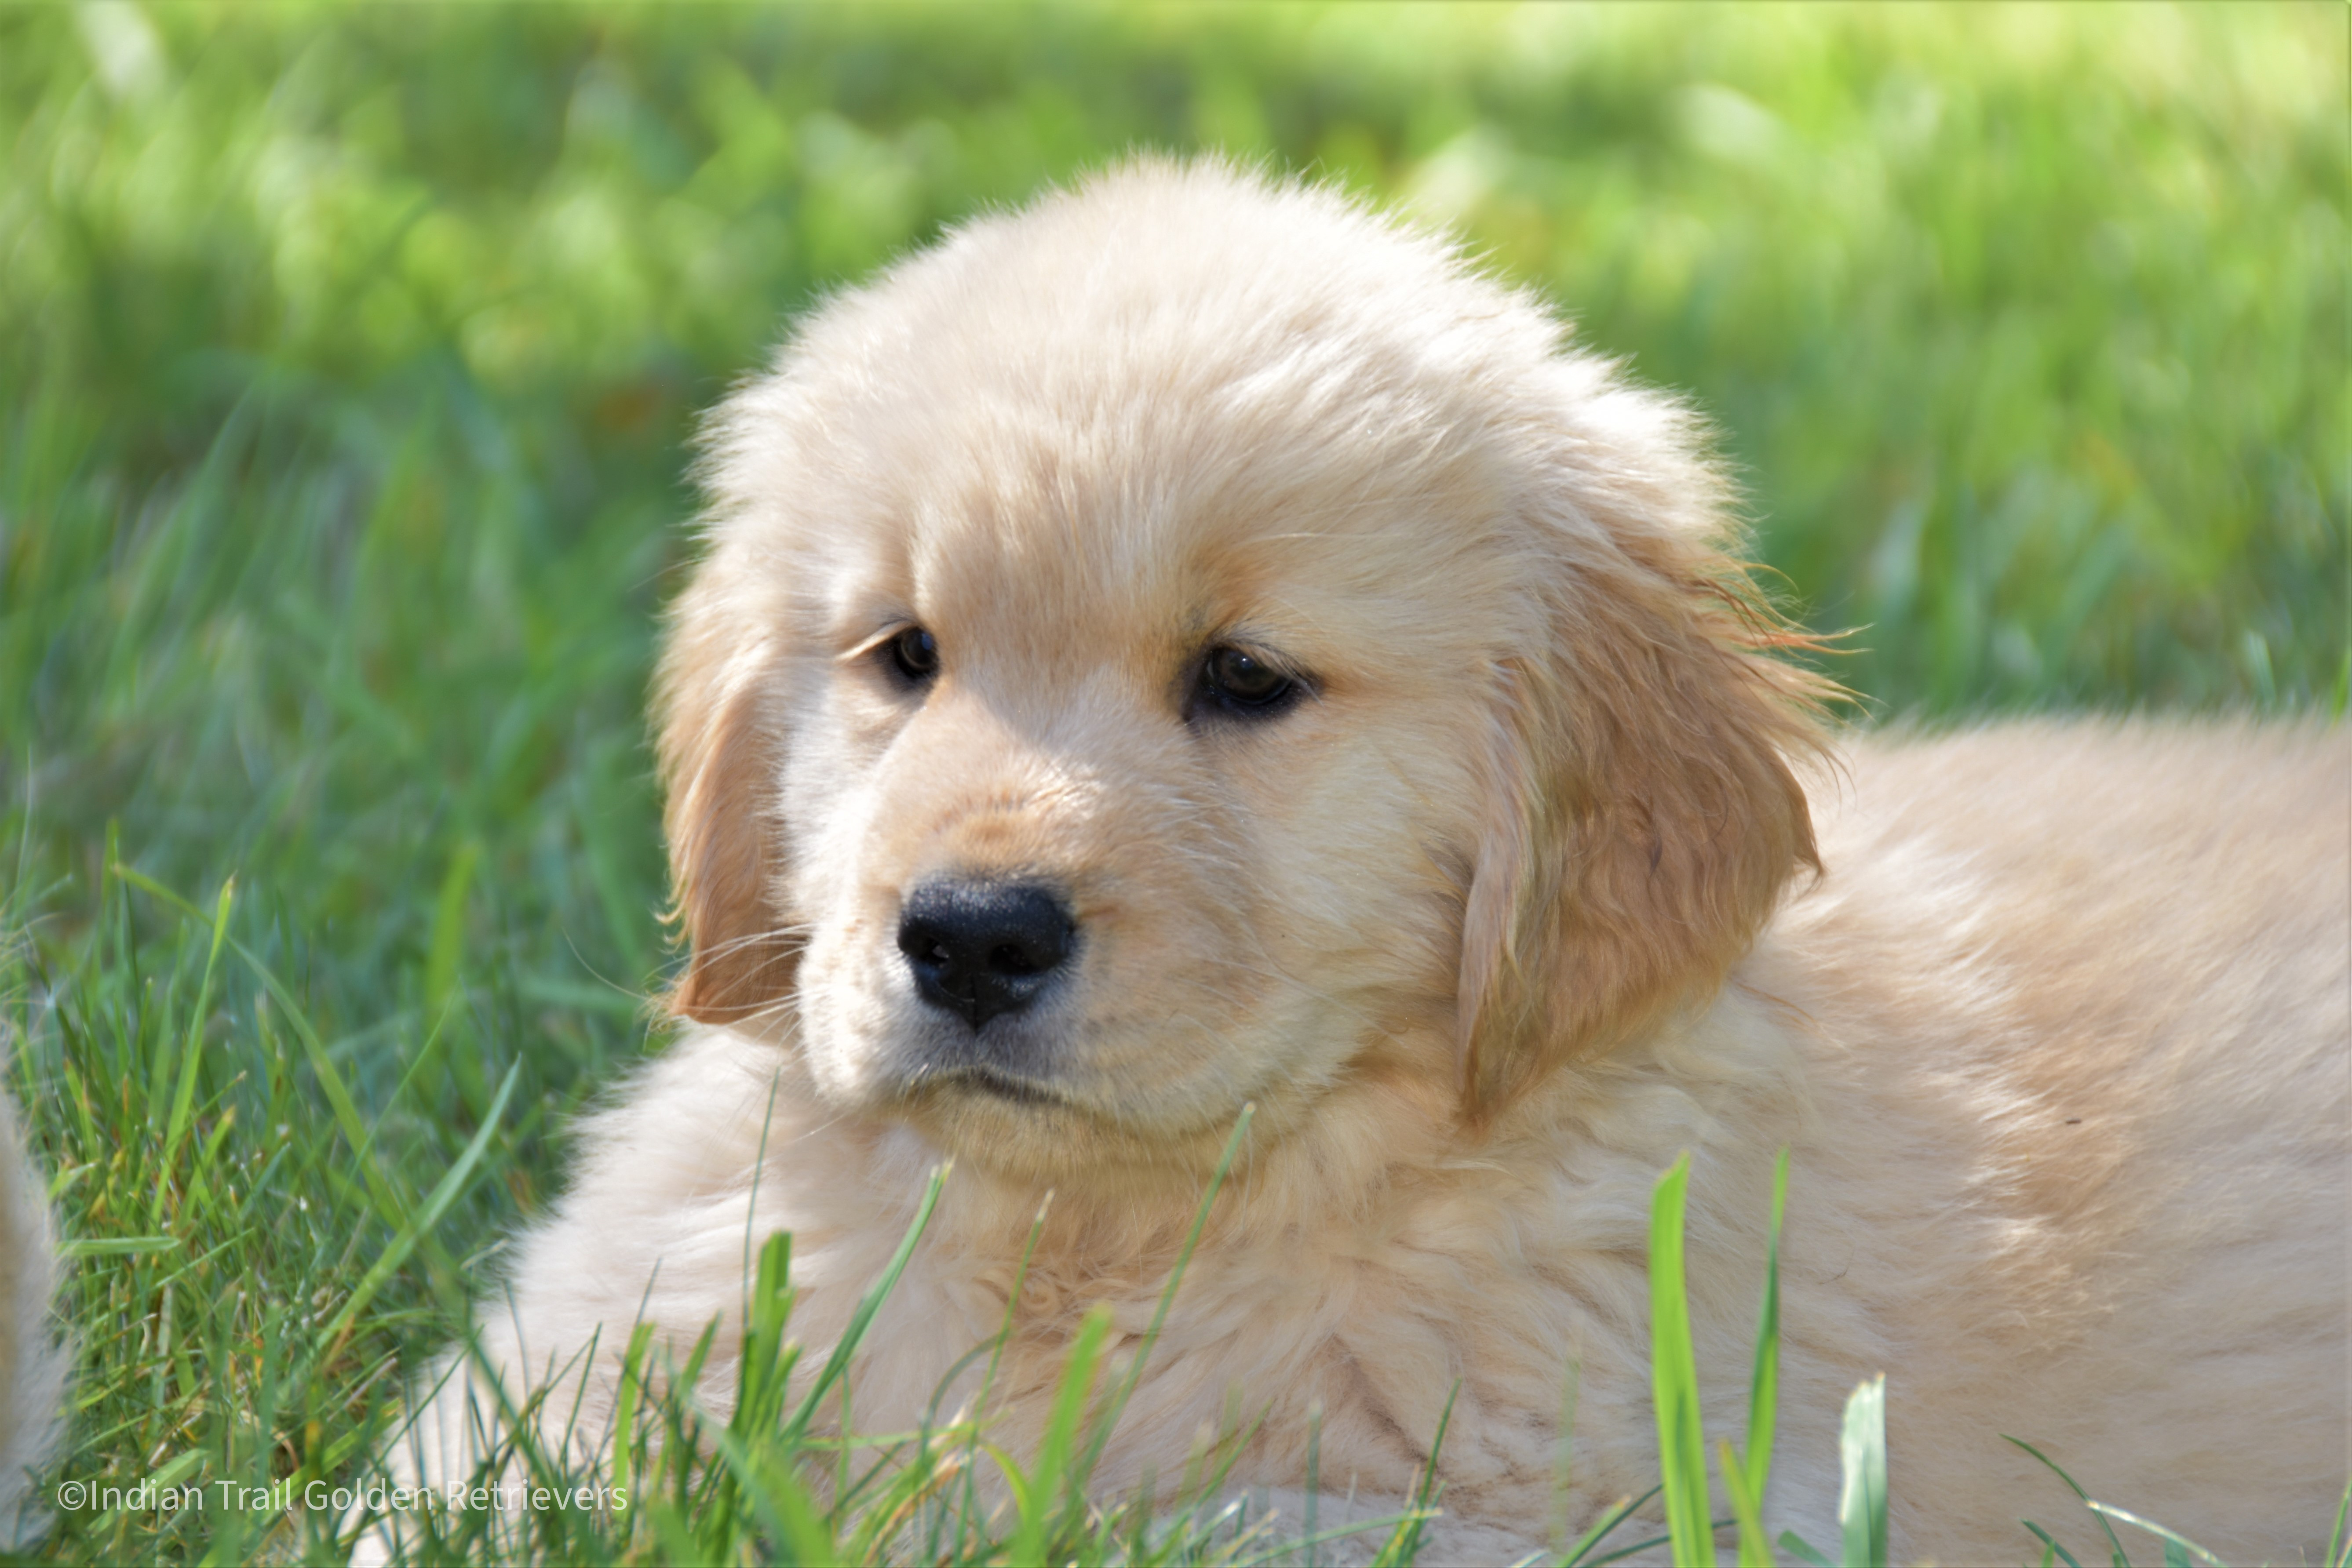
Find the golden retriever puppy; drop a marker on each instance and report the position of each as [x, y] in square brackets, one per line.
[1195, 643]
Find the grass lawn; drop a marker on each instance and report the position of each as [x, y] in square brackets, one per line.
[348, 360]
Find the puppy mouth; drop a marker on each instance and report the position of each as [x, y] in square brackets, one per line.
[994, 1082]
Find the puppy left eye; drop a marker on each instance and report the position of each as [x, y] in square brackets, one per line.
[914, 654]
[1246, 686]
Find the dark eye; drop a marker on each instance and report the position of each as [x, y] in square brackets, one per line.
[1246, 686]
[914, 654]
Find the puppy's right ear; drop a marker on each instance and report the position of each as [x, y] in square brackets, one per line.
[722, 759]
[1645, 808]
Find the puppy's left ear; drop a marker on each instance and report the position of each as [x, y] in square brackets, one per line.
[720, 758]
[1643, 808]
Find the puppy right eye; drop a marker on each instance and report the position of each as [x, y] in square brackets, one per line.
[1240, 685]
[914, 656]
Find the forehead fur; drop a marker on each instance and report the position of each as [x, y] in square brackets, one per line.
[1178, 363]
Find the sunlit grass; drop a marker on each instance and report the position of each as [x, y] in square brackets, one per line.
[346, 363]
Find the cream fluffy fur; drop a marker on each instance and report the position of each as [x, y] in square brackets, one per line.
[34, 1363]
[1515, 906]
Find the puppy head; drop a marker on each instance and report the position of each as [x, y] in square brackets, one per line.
[1194, 642]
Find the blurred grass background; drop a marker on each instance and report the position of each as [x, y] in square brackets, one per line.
[348, 358]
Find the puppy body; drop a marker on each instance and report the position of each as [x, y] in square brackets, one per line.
[1509, 905]
[2055, 1173]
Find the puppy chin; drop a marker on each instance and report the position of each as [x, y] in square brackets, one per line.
[1005, 1131]
[1015, 1062]
[1012, 1100]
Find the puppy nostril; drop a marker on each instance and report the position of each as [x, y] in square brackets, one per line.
[982, 948]
[1013, 960]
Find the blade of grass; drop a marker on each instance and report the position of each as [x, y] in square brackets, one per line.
[1268, 1550]
[1861, 1452]
[1404, 1545]
[2120, 1560]
[116, 1245]
[837, 1363]
[2339, 1551]
[1623, 1553]
[1755, 1547]
[779, 1501]
[1796, 1546]
[684, 1419]
[762, 1367]
[389, 1206]
[968, 1509]
[1134, 1374]
[1053, 1470]
[1600, 1532]
[436, 1203]
[1563, 1450]
[1004, 1328]
[1746, 1480]
[1764, 1388]
[2049, 1544]
[764, 1364]
[1314, 1477]
[2173, 1540]
[624, 1410]
[449, 925]
[967, 1471]
[1673, 1376]
[191, 1051]
[147, 884]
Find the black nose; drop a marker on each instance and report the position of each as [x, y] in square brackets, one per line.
[981, 949]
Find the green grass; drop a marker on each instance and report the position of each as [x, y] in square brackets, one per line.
[346, 361]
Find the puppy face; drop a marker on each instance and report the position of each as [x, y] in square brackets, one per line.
[1119, 794]
[1193, 643]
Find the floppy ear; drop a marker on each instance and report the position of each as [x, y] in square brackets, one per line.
[1643, 812]
[720, 761]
